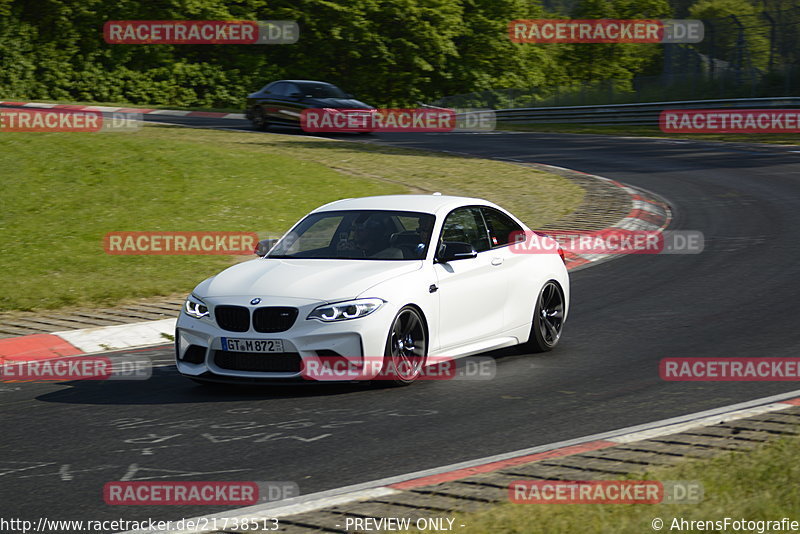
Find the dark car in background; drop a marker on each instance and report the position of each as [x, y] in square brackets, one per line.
[280, 103]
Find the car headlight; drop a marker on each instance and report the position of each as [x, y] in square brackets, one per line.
[195, 307]
[342, 311]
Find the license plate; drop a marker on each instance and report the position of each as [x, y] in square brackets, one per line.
[252, 345]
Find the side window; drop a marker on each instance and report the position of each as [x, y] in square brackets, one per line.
[279, 89]
[501, 227]
[290, 89]
[466, 225]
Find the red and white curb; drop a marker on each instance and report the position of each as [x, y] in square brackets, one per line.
[648, 213]
[392, 485]
[86, 340]
[143, 111]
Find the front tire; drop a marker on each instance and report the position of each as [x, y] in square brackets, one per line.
[406, 348]
[548, 319]
[260, 121]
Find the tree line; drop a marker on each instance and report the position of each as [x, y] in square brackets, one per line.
[388, 52]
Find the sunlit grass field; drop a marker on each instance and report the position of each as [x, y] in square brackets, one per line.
[60, 193]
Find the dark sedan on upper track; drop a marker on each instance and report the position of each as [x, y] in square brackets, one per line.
[280, 103]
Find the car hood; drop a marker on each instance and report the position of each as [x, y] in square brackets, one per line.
[322, 280]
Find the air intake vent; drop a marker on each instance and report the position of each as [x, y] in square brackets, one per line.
[284, 362]
[194, 354]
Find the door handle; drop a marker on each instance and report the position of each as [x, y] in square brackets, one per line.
[497, 261]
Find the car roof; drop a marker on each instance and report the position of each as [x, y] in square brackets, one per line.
[421, 203]
[302, 81]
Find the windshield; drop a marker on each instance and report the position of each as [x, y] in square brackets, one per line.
[321, 90]
[358, 234]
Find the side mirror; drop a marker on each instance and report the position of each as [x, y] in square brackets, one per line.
[349, 95]
[455, 250]
[264, 246]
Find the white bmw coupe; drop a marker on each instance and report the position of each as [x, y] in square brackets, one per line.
[403, 278]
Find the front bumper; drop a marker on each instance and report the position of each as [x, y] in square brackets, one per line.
[200, 352]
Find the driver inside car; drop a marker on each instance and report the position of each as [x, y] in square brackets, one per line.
[369, 239]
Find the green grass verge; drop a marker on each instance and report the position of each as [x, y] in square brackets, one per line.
[62, 192]
[647, 131]
[755, 485]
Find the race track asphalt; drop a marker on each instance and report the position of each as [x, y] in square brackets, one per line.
[62, 442]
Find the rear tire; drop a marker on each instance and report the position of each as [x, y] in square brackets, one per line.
[548, 319]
